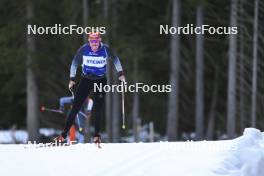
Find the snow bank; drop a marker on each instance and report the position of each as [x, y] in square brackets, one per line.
[239, 157]
[248, 157]
[13, 136]
[21, 136]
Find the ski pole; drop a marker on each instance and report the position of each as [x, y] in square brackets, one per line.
[123, 105]
[43, 108]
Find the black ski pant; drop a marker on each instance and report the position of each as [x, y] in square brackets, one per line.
[84, 88]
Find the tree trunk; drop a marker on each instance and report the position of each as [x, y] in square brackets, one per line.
[231, 104]
[105, 9]
[241, 73]
[135, 112]
[108, 107]
[173, 99]
[32, 90]
[255, 67]
[199, 116]
[108, 97]
[115, 99]
[211, 119]
[85, 18]
[85, 24]
[116, 114]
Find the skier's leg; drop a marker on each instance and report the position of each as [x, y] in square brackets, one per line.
[98, 107]
[81, 137]
[72, 135]
[82, 92]
[80, 120]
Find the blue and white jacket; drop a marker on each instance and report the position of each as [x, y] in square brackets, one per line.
[94, 63]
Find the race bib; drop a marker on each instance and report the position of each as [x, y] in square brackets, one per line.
[92, 61]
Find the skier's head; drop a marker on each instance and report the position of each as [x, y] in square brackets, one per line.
[94, 39]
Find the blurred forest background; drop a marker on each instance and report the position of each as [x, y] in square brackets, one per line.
[217, 80]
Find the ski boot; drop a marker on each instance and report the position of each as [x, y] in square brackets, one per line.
[97, 140]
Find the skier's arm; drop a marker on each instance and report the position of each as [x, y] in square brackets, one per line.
[115, 61]
[65, 100]
[89, 105]
[77, 60]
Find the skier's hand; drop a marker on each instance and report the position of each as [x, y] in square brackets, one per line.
[122, 78]
[71, 85]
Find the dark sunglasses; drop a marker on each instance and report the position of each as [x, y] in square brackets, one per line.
[94, 41]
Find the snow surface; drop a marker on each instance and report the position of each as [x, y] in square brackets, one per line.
[243, 156]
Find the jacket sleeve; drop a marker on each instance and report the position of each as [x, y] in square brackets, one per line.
[115, 60]
[77, 60]
[65, 100]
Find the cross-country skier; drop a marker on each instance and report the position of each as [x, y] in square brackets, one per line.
[93, 56]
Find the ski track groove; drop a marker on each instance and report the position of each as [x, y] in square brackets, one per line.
[126, 165]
